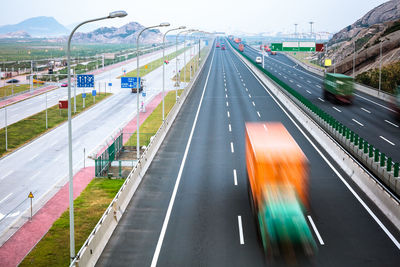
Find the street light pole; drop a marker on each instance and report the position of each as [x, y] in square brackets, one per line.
[70, 171]
[354, 59]
[176, 54]
[165, 24]
[380, 66]
[176, 64]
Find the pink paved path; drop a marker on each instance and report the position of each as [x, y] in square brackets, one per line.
[19, 245]
[22, 242]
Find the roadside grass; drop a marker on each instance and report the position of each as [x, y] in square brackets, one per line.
[153, 122]
[9, 89]
[193, 62]
[149, 67]
[53, 249]
[30, 128]
[303, 57]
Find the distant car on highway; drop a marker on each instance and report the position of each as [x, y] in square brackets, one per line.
[222, 47]
[64, 85]
[13, 81]
[273, 53]
[217, 45]
[258, 60]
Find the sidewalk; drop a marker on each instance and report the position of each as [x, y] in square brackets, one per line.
[25, 239]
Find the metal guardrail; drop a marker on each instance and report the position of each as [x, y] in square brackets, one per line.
[378, 163]
[97, 240]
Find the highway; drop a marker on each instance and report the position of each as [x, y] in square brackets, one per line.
[41, 166]
[192, 207]
[372, 118]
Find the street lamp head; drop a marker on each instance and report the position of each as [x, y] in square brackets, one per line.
[164, 24]
[117, 14]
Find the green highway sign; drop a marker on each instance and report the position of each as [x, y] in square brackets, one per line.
[293, 46]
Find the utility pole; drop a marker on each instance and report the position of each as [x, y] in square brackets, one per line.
[295, 30]
[311, 24]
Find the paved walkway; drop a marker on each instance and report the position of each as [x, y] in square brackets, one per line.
[22, 242]
[25, 239]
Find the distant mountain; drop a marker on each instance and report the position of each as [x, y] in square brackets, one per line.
[385, 12]
[125, 34]
[12, 35]
[37, 27]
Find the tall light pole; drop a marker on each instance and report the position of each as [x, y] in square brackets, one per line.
[380, 66]
[165, 24]
[165, 34]
[354, 59]
[116, 14]
[311, 23]
[176, 65]
[184, 53]
[295, 30]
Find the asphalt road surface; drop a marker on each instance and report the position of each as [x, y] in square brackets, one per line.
[192, 207]
[372, 118]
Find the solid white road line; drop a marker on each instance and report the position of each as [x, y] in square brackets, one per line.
[7, 174]
[387, 140]
[359, 123]
[1, 201]
[375, 103]
[230, 127]
[241, 238]
[229, 115]
[173, 196]
[232, 149]
[365, 206]
[254, 104]
[234, 177]
[315, 230]
[336, 109]
[321, 99]
[366, 110]
[308, 92]
[258, 113]
[395, 125]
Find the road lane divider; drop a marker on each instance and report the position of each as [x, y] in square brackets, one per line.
[234, 177]
[241, 236]
[316, 230]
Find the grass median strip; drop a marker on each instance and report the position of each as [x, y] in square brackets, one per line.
[14, 89]
[30, 128]
[53, 249]
[149, 67]
[153, 122]
[193, 62]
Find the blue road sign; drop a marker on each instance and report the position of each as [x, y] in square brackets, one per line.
[109, 84]
[129, 82]
[143, 94]
[93, 92]
[83, 95]
[85, 80]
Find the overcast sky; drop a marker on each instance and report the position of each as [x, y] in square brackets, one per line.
[251, 16]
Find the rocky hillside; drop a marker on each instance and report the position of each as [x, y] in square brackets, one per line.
[380, 25]
[125, 34]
